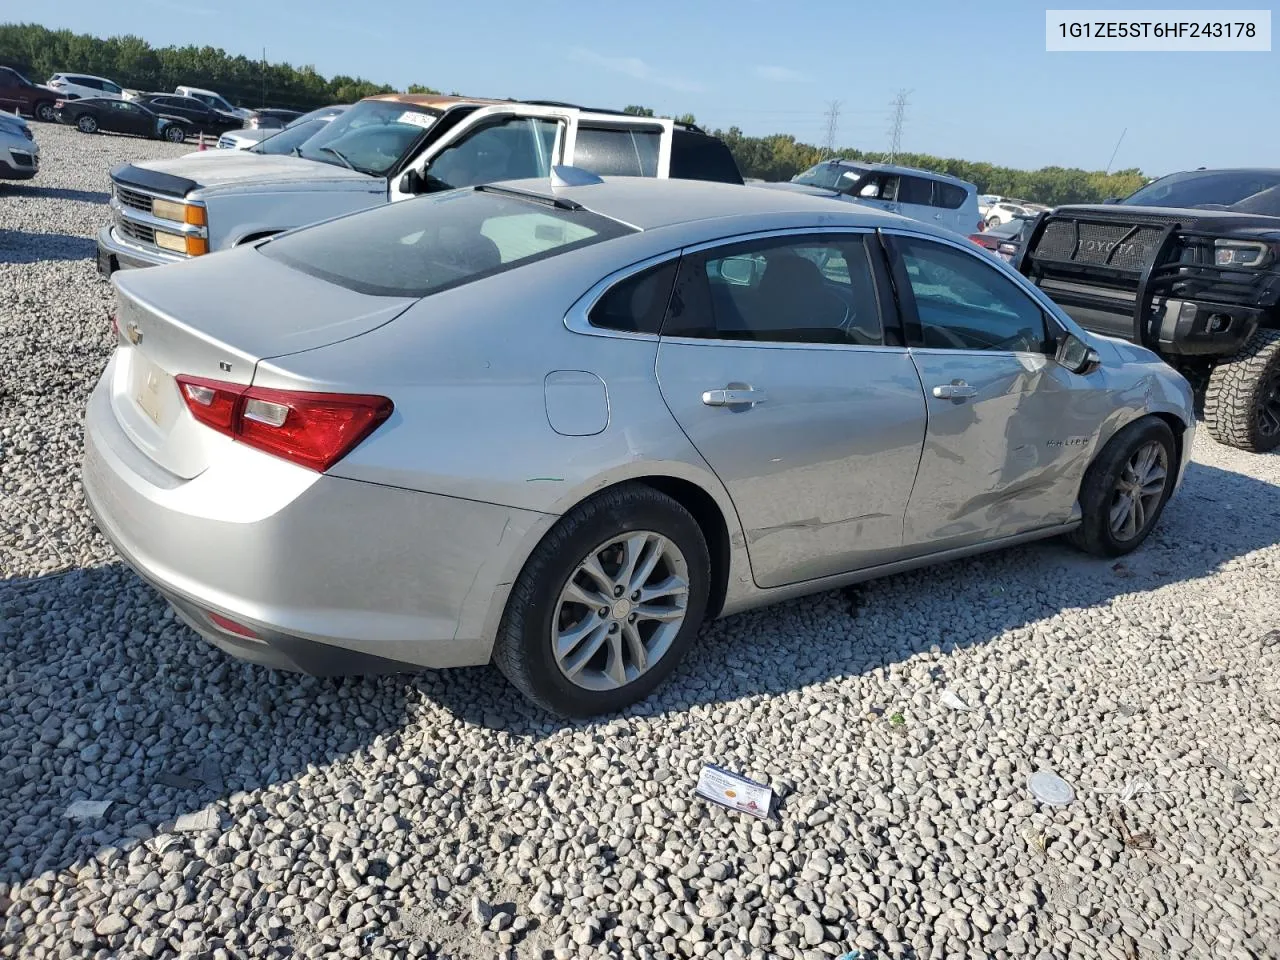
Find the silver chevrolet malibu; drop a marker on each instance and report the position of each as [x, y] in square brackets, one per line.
[557, 424]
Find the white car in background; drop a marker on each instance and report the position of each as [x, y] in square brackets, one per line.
[1005, 211]
[934, 198]
[19, 153]
[77, 86]
[215, 100]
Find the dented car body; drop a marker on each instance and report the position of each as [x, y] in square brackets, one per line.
[831, 393]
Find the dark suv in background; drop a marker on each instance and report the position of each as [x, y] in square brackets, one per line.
[19, 93]
[199, 116]
[1188, 266]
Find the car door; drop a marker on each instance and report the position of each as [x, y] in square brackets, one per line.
[11, 93]
[953, 209]
[879, 190]
[1008, 427]
[608, 145]
[127, 117]
[915, 200]
[781, 359]
[493, 143]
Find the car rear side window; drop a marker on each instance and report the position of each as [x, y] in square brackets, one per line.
[917, 190]
[638, 303]
[618, 151]
[413, 248]
[948, 195]
[818, 290]
[695, 156]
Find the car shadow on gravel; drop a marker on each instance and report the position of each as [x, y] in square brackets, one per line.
[20, 246]
[54, 193]
[105, 696]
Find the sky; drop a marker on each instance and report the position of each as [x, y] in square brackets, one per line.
[980, 84]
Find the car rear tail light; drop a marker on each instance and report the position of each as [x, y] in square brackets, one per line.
[231, 626]
[313, 430]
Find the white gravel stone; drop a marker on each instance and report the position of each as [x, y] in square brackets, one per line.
[365, 817]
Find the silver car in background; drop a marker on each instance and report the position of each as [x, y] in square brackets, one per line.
[557, 427]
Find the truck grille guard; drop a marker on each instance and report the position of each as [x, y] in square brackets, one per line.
[1156, 276]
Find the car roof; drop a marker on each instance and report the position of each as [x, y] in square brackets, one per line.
[870, 165]
[650, 203]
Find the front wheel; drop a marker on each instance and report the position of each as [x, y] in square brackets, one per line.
[607, 605]
[175, 134]
[45, 113]
[1126, 488]
[86, 124]
[1242, 400]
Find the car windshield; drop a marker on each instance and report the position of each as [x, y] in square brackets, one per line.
[421, 246]
[321, 113]
[1201, 188]
[371, 137]
[827, 175]
[290, 138]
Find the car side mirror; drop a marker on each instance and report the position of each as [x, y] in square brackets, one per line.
[1077, 356]
[411, 182]
[1113, 199]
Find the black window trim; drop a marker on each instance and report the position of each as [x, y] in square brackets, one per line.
[1054, 329]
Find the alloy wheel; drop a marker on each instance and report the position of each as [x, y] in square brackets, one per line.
[620, 610]
[1139, 491]
[1269, 405]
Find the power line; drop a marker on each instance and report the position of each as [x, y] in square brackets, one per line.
[833, 124]
[899, 105]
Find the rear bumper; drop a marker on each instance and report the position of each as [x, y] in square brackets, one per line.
[116, 254]
[333, 576]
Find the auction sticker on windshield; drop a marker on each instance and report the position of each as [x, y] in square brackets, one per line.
[417, 119]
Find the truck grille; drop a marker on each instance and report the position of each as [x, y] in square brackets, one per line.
[131, 198]
[137, 232]
[1106, 244]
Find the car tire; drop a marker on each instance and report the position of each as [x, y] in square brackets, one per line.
[175, 134]
[541, 607]
[44, 112]
[1242, 398]
[993, 222]
[1118, 473]
[86, 124]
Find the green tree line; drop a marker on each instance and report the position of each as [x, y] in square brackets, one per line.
[129, 60]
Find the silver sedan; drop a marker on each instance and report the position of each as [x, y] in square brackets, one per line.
[558, 427]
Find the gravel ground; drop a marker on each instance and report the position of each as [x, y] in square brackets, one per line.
[256, 814]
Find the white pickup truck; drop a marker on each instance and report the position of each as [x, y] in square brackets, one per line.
[385, 148]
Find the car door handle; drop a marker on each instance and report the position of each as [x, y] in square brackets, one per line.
[728, 397]
[955, 390]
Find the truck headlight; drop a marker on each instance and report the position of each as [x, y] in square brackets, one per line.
[179, 212]
[1239, 253]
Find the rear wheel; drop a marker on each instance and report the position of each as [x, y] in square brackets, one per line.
[86, 124]
[1242, 400]
[607, 605]
[44, 112]
[175, 134]
[1125, 489]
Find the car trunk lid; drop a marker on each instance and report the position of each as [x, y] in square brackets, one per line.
[184, 320]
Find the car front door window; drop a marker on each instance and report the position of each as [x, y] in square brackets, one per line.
[511, 149]
[963, 303]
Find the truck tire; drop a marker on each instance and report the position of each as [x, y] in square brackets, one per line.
[1242, 401]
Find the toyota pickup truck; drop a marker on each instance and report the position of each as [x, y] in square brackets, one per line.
[384, 149]
[1187, 266]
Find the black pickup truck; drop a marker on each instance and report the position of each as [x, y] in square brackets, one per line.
[1188, 266]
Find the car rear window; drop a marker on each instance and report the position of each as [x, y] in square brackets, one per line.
[695, 156]
[618, 151]
[412, 248]
[948, 195]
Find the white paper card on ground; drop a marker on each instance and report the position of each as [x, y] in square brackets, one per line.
[734, 792]
[206, 819]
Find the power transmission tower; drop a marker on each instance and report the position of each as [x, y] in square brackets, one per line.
[900, 104]
[833, 123]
